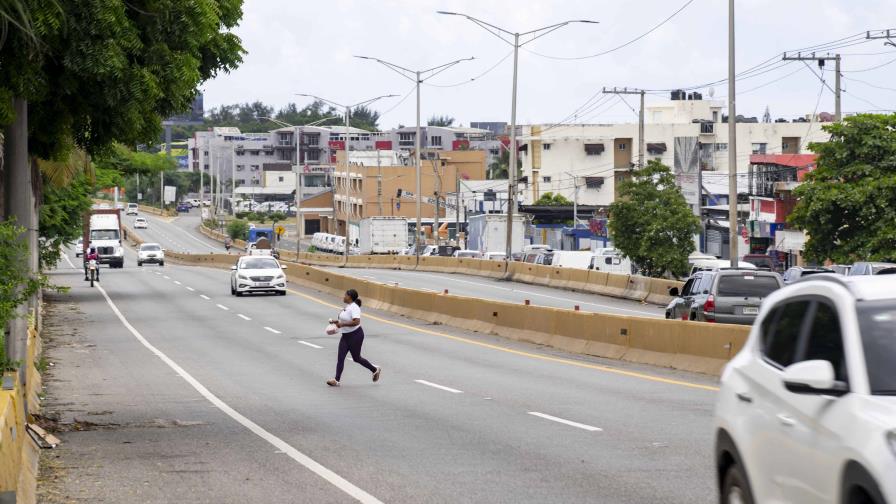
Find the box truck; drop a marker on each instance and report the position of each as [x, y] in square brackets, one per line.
[383, 235]
[102, 230]
[488, 233]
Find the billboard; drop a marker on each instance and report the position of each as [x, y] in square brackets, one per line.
[687, 170]
[170, 193]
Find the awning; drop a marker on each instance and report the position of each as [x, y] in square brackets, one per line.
[656, 147]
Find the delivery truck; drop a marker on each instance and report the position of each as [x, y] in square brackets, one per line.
[102, 230]
[383, 235]
[488, 233]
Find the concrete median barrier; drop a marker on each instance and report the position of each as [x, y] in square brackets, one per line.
[638, 288]
[659, 290]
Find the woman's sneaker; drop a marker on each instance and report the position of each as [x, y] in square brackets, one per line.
[376, 374]
[332, 382]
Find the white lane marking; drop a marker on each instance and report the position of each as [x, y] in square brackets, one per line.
[240, 315]
[157, 273]
[309, 463]
[548, 296]
[191, 289]
[440, 387]
[566, 422]
[69, 261]
[177, 282]
[203, 296]
[166, 277]
[312, 345]
[222, 307]
[266, 328]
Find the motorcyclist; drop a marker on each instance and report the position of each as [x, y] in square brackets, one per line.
[91, 255]
[228, 243]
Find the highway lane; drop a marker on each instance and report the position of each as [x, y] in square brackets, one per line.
[511, 292]
[457, 417]
[182, 234]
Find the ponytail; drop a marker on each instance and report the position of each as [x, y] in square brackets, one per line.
[353, 295]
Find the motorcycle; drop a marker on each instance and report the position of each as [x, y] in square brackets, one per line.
[91, 267]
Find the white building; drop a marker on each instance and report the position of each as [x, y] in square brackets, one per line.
[231, 155]
[595, 157]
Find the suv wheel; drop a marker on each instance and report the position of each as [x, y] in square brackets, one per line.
[735, 489]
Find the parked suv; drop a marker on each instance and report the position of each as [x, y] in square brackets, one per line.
[806, 411]
[798, 272]
[870, 268]
[726, 296]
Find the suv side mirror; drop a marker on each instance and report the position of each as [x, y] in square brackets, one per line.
[814, 377]
[674, 292]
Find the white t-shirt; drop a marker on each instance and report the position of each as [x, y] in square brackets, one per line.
[351, 312]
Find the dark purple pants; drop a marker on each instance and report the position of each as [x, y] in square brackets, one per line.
[351, 342]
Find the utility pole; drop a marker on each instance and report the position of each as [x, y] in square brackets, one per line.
[418, 79]
[534, 34]
[438, 192]
[379, 182]
[457, 206]
[887, 35]
[641, 142]
[733, 237]
[821, 61]
[575, 200]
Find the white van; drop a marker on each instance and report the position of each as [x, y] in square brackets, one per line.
[712, 264]
[571, 259]
[611, 261]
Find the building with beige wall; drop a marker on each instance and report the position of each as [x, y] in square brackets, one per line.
[371, 189]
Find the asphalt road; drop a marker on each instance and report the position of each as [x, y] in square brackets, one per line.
[457, 416]
[181, 234]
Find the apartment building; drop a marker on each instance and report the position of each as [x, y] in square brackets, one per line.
[386, 186]
[686, 133]
[230, 154]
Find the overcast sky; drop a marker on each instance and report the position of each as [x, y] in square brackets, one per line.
[307, 47]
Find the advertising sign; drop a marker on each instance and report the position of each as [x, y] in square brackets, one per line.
[687, 170]
[170, 194]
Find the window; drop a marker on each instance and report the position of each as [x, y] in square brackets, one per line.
[406, 137]
[435, 141]
[594, 182]
[240, 167]
[715, 116]
[313, 139]
[546, 180]
[876, 320]
[757, 286]
[705, 283]
[621, 147]
[312, 155]
[781, 332]
[722, 147]
[593, 149]
[785, 145]
[825, 341]
[546, 146]
[759, 148]
[688, 285]
[280, 179]
[240, 153]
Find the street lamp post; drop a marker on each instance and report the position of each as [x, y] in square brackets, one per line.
[348, 111]
[536, 34]
[417, 79]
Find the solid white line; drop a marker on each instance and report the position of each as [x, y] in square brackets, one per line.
[191, 289]
[223, 307]
[312, 345]
[240, 315]
[69, 261]
[178, 283]
[203, 296]
[567, 422]
[271, 330]
[336, 480]
[440, 387]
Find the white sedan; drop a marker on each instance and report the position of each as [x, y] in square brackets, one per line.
[150, 253]
[257, 274]
[141, 223]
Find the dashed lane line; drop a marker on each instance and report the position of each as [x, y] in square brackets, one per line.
[440, 387]
[203, 296]
[564, 421]
[270, 329]
[223, 307]
[312, 345]
[240, 315]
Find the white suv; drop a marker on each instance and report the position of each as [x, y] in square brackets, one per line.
[807, 410]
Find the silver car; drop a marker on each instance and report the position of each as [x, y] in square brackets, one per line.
[726, 296]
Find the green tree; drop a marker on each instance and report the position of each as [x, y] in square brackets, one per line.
[652, 224]
[18, 284]
[847, 205]
[365, 118]
[238, 229]
[497, 170]
[440, 120]
[551, 199]
[61, 217]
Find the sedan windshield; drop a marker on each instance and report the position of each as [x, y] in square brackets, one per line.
[877, 320]
[260, 263]
[747, 285]
[150, 248]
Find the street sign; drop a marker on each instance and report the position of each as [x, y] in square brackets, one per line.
[170, 194]
[280, 230]
[139, 196]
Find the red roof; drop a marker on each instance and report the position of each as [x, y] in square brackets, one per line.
[793, 160]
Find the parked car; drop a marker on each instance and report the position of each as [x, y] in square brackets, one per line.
[468, 254]
[841, 269]
[141, 223]
[869, 268]
[726, 296]
[714, 264]
[184, 206]
[494, 256]
[195, 203]
[806, 411]
[132, 209]
[257, 274]
[150, 253]
[798, 272]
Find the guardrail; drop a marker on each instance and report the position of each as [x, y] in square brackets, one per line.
[691, 346]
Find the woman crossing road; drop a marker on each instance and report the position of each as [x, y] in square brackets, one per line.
[349, 324]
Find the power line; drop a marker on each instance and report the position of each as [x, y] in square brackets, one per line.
[871, 68]
[608, 51]
[472, 79]
[870, 84]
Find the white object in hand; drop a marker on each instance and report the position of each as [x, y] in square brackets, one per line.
[332, 329]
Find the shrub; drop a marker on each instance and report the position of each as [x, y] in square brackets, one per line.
[238, 229]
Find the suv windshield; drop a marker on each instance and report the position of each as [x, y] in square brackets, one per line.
[260, 263]
[877, 320]
[150, 248]
[747, 285]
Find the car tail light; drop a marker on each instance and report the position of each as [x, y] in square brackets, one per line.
[709, 309]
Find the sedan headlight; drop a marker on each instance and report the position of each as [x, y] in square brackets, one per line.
[891, 440]
[242, 277]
